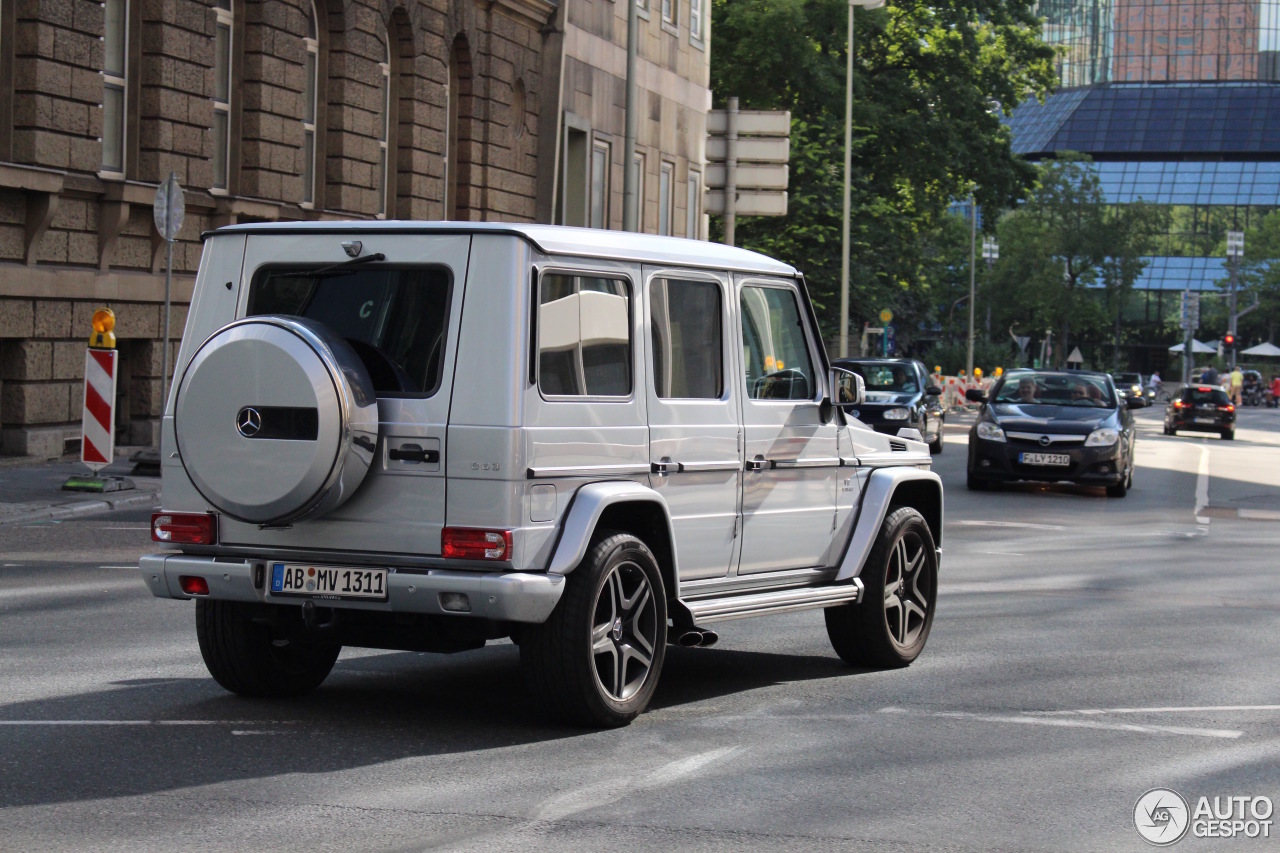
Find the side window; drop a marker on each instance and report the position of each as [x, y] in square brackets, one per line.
[776, 357]
[688, 351]
[584, 336]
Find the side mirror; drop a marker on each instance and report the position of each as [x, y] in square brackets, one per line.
[847, 388]
[933, 391]
[975, 395]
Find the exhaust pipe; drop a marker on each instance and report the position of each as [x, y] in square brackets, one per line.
[697, 638]
[690, 639]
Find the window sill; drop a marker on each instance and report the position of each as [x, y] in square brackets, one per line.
[673, 29]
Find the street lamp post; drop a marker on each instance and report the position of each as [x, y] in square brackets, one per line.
[848, 159]
[1235, 251]
[990, 254]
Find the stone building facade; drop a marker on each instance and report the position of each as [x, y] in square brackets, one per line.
[270, 110]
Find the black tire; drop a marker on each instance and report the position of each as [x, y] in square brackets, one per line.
[889, 628]
[614, 606]
[1228, 434]
[976, 484]
[1168, 430]
[1119, 490]
[250, 658]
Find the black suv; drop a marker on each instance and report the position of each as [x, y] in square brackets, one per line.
[899, 394]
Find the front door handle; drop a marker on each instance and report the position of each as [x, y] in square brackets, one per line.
[757, 464]
[665, 466]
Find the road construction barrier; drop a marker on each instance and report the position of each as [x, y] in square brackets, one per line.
[98, 429]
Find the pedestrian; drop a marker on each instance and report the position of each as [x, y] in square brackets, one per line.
[1154, 384]
[1236, 384]
[1210, 376]
[1274, 402]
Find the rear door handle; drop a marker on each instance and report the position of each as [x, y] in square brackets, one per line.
[758, 464]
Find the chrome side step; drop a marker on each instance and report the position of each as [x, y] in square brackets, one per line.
[781, 601]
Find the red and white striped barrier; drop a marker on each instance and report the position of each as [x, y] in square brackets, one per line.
[98, 433]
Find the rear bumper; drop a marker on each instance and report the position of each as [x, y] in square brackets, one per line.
[1188, 424]
[503, 596]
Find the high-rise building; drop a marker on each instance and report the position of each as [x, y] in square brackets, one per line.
[1178, 104]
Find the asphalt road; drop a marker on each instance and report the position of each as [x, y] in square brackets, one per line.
[1086, 650]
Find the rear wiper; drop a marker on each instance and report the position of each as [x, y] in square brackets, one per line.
[342, 265]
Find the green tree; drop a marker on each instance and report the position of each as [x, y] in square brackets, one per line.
[1061, 244]
[1260, 279]
[930, 82]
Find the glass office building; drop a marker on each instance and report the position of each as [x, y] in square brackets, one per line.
[1178, 103]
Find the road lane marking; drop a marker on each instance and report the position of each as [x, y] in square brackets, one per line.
[1029, 720]
[594, 796]
[22, 593]
[145, 723]
[1024, 524]
[1182, 709]
[1202, 485]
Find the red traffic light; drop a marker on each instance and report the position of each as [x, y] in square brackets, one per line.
[1229, 339]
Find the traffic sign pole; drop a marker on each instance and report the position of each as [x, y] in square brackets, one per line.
[170, 210]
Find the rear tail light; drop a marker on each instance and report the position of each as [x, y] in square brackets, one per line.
[184, 528]
[468, 543]
[193, 585]
[1226, 408]
[1178, 404]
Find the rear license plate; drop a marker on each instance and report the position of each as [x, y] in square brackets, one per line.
[328, 581]
[1204, 420]
[1044, 459]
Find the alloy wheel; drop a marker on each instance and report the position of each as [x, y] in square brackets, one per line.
[906, 590]
[624, 631]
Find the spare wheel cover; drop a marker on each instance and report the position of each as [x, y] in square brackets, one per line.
[275, 419]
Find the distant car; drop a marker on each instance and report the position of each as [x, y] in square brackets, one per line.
[1051, 426]
[1131, 385]
[1201, 408]
[899, 394]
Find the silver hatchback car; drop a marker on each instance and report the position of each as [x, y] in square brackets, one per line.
[427, 436]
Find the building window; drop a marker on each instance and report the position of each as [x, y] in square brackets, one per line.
[114, 85]
[599, 185]
[642, 6]
[637, 181]
[695, 20]
[222, 95]
[669, 11]
[310, 90]
[664, 198]
[384, 161]
[693, 214]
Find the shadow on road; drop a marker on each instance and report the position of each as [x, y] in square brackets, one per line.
[185, 732]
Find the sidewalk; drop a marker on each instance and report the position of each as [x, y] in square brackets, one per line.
[31, 490]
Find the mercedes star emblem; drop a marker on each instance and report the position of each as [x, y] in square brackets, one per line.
[249, 421]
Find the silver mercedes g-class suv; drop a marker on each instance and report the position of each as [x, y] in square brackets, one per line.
[425, 436]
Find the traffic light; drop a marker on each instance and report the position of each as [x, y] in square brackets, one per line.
[1229, 340]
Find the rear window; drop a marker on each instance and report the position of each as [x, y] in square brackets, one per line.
[394, 318]
[1205, 395]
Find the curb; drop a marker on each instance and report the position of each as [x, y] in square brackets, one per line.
[144, 497]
